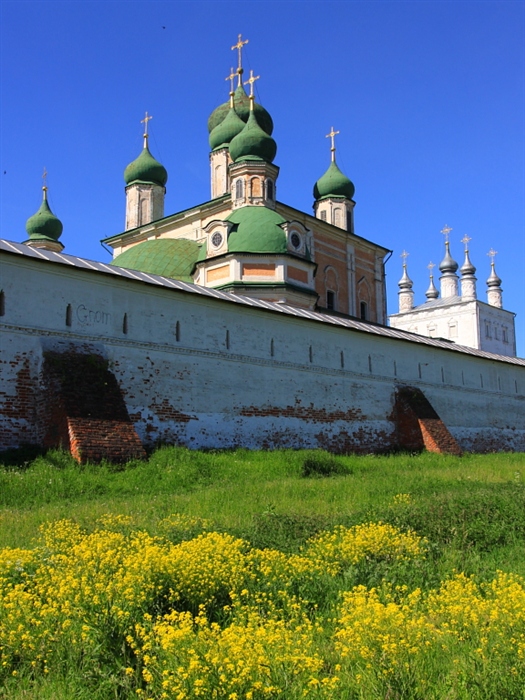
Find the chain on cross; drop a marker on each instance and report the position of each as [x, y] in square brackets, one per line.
[240, 43]
[492, 254]
[251, 80]
[445, 231]
[231, 78]
[332, 136]
[465, 240]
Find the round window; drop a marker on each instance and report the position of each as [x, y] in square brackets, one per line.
[295, 240]
[216, 239]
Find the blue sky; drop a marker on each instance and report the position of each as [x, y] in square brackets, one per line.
[429, 98]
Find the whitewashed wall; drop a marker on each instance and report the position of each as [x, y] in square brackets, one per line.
[210, 373]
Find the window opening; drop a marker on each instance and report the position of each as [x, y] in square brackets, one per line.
[269, 189]
[125, 324]
[363, 311]
[177, 331]
[69, 315]
[330, 300]
[238, 189]
[2, 303]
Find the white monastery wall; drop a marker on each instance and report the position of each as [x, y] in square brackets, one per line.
[203, 372]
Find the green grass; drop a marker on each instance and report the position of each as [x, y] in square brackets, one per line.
[471, 509]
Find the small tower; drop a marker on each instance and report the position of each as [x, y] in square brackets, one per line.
[494, 290]
[333, 194]
[252, 172]
[44, 228]
[432, 292]
[406, 295]
[448, 266]
[145, 180]
[468, 280]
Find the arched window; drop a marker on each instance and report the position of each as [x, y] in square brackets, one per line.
[363, 311]
[238, 189]
[255, 187]
[144, 211]
[69, 315]
[323, 216]
[330, 300]
[269, 189]
[337, 217]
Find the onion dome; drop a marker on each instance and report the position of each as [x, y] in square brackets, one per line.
[226, 130]
[334, 184]
[467, 269]
[493, 280]
[432, 292]
[169, 257]
[405, 282]
[241, 102]
[146, 169]
[253, 143]
[448, 264]
[44, 225]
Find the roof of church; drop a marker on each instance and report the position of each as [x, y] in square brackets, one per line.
[447, 301]
[146, 169]
[156, 280]
[169, 257]
[256, 230]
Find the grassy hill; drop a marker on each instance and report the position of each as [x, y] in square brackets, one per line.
[258, 575]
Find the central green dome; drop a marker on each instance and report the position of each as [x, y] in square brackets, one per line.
[253, 143]
[44, 224]
[169, 257]
[334, 184]
[241, 102]
[256, 230]
[146, 169]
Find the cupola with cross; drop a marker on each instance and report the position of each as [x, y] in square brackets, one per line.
[44, 228]
[333, 194]
[145, 180]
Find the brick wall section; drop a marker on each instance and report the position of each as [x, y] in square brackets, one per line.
[419, 426]
[87, 414]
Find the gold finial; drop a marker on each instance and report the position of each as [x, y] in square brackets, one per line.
[492, 254]
[431, 267]
[240, 43]
[252, 80]
[403, 255]
[465, 241]
[445, 231]
[145, 121]
[331, 136]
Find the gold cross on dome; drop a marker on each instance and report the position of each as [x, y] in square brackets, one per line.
[231, 78]
[445, 231]
[404, 255]
[465, 240]
[240, 43]
[431, 266]
[331, 136]
[252, 80]
[44, 179]
[492, 254]
[145, 122]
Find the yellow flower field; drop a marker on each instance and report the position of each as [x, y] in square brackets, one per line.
[211, 617]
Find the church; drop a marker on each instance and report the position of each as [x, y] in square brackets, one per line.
[245, 321]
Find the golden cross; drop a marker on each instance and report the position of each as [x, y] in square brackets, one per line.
[145, 122]
[44, 179]
[231, 78]
[492, 254]
[445, 231]
[252, 80]
[240, 43]
[331, 136]
[465, 240]
[404, 254]
[431, 266]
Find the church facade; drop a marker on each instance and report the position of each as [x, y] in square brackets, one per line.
[244, 321]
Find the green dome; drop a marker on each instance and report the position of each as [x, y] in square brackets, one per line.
[44, 224]
[241, 103]
[253, 142]
[169, 257]
[146, 169]
[334, 184]
[226, 130]
[256, 230]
